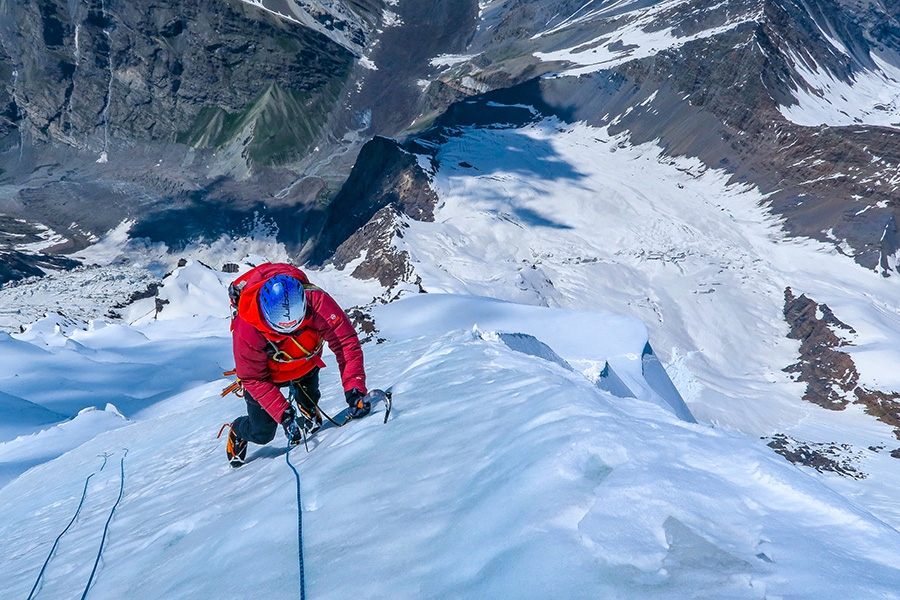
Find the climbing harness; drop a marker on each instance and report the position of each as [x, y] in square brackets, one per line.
[75, 516]
[106, 527]
[282, 356]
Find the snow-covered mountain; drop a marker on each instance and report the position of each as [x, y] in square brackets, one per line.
[546, 405]
[262, 107]
[185, 120]
[624, 263]
[506, 470]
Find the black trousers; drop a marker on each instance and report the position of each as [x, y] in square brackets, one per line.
[259, 427]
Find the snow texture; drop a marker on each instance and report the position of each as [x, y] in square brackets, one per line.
[497, 468]
[531, 452]
[569, 216]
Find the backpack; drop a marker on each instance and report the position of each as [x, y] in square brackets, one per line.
[234, 292]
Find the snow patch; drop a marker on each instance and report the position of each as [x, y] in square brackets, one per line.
[451, 60]
[635, 39]
[390, 19]
[871, 98]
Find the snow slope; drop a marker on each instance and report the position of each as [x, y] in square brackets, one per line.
[569, 216]
[872, 98]
[21, 414]
[499, 475]
[629, 30]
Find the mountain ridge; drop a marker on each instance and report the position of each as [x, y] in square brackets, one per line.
[734, 86]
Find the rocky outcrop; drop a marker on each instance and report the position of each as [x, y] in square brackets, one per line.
[386, 186]
[16, 265]
[24, 250]
[830, 375]
[841, 459]
[373, 243]
[884, 406]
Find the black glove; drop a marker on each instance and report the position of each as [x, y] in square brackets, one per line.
[358, 405]
[291, 427]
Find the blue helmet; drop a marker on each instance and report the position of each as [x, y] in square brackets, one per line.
[282, 303]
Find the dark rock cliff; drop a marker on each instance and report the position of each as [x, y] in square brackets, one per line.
[386, 186]
[177, 117]
[830, 375]
[201, 73]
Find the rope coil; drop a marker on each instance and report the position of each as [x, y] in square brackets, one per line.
[59, 537]
[106, 527]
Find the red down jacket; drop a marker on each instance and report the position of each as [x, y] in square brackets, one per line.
[255, 343]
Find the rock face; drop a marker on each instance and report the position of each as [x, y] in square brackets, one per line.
[384, 174]
[202, 73]
[830, 375]
[178, 117]
[189, 119]
[386, 185]
[824, 458]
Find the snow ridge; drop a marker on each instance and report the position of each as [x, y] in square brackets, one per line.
[496, 467]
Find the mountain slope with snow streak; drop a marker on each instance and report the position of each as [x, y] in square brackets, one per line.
[841, 68]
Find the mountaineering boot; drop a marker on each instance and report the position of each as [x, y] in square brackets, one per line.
[235, 448]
